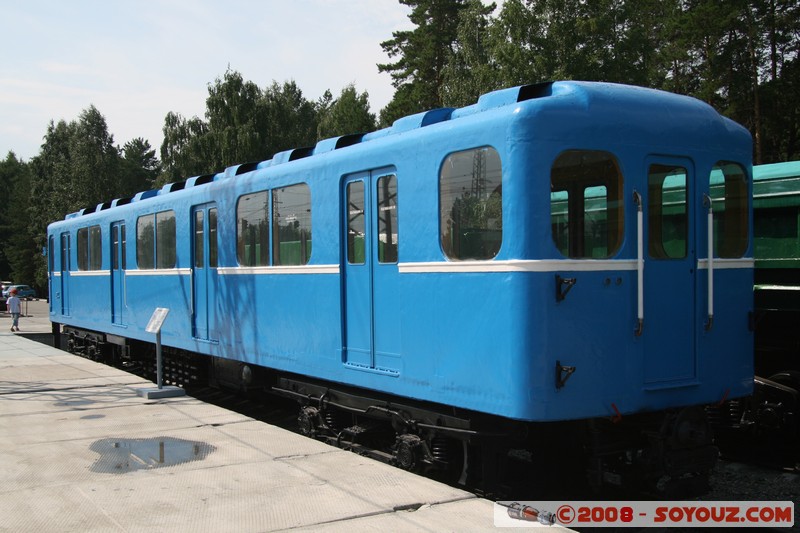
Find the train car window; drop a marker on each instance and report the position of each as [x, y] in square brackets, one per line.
[95, 248]
[83, 249]
[586, 208]
[471, 204]
[212, 237]
[66, 259]
[199, 237]
[387, 219]
[730, 204]
[156, 245]
[166, 244]
[356, 224]
[115, 247]
[145, 242]
[252, 227]
[668, 214]
[291, 225]
[90, 248]
[124, 244]
[118, 247]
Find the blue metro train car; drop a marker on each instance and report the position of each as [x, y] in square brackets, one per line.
[553, 253]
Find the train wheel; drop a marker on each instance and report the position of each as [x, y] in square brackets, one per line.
[308, 421]
[407, 451]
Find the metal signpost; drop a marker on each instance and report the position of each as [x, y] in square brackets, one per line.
[154, 326]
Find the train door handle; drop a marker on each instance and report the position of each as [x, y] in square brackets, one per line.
[637, 199]
[708, 202]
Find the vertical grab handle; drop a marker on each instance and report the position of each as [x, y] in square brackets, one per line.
[708, 202]
[637, 198]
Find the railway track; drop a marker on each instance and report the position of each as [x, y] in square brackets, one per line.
[732, 479]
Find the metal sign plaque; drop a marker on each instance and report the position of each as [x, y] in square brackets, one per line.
[157, 320]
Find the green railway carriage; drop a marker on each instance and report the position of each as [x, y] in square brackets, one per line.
[776, 220]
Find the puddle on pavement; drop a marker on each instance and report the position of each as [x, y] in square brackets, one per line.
[118, 456]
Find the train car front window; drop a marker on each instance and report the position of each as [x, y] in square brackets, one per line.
[291, 218]
[668, 213]
[730, 203]
[471, 204]
[586, 213]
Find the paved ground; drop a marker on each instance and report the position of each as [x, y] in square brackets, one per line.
[80, 451]
[35, 317]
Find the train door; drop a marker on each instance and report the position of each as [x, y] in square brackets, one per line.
[65, 267]
[370, 276]
[204, 271]
[669, 272]
[118, 266]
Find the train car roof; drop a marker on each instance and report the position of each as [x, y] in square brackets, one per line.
[600, 97]
[776, 170]
[776, 185]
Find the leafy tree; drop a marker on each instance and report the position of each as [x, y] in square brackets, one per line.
[739, 56]
[236, 121]
[12, 172]
[244, 124]
[184, 150]
[606, 40]
[51, 180]
[139, 167]
[94, 160]
[23, 248]
[291, 120]
[347, 114]
[78, 166]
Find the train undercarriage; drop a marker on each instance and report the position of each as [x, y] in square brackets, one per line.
[661, 454]
[765, 427]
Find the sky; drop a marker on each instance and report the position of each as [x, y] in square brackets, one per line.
[137, 60]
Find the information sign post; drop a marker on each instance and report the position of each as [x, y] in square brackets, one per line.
[154, 326]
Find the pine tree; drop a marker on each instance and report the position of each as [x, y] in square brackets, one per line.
[422, 54]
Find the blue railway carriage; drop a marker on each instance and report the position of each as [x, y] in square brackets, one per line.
[557, 259]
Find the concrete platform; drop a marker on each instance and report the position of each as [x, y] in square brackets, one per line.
[80, 451]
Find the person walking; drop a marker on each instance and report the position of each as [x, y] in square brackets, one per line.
[13, 308]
